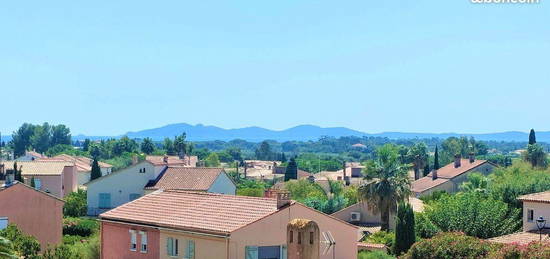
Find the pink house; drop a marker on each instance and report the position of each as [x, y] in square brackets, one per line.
[55, 177]
[197, 225]
[36, 213]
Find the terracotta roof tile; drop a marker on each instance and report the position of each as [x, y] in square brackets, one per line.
[543, 197]
[186, 178]
[444, 174]
[426, 183]
[194, 211]
[171, 160]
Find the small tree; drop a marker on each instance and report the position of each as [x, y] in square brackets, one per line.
[404, 231]
[147, 146]
[96, 170]
[17, 173]
[436, 159]
[33, 185]
[532, 137]
[291, 170]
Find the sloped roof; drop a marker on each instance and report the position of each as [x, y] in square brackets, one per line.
[83, 164]
[194, 211]
[171, 160]
[3, 187]
[34, 154]
[39, 167]
[444, 174]
[186, 178]
[543, 197]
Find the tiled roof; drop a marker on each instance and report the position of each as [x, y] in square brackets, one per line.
[543, 197]
[522, 238]
[444, 174]
[34, 154]
[83, 164]
[186, 178]
[171, 160]
[194, 211]
[3, 187]
[39, 167]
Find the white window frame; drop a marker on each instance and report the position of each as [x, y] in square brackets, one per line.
[172, 245]
[530, 215]
[143, 247]
[133, 240]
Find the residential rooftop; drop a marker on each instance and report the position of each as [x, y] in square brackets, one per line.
[39, 167]
[185, 178]
[445, 174]
[542, 197]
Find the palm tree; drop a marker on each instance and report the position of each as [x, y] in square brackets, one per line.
[476, 183]
[6, 249]
[387, 183]
[418, 154]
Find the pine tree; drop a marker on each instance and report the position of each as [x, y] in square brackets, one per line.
[291, 170]
[96, 170]
[33, 185]
[404, 229]
[532, 137]
[436, 159]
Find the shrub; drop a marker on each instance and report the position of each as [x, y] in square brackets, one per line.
[424, 228]
[404, 230]
[253, 192]
[79, 227]
[25, 245]
[60, 252]
[381, 237]
[75, 204]
[535, 250]
[450, 246]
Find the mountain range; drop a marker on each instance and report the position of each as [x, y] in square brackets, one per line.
[201, 132]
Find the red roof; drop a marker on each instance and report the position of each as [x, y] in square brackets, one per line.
[444, 174]
[194, 211]
[186, 178]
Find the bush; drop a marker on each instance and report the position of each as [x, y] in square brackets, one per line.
[374, 255]
[381, 237]
[424, 228]
[75, 204]
[79, 227]
[253, 192]
[60, 252]
[450, 246]
[535, 250]
[25, 245]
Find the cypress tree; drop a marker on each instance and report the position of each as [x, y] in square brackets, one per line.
[17, 173]
[532, 137]
[96, 171]
[436, 159]
[291, 170]
[426, 169]
[404, 229]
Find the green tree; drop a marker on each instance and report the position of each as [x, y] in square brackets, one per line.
[6, 249]
[21, 139]
[96, 170]
[180, 146]
[264, 151]
[147, 146]
[532, 137]
[476, 183]
[33, 184]
[235, 153]
[212, 160]
[61, 135]
[418, 154]
[168, 146]
[436, 159]
[387, 183]
[86, 145]
[291, 170]
[536, 156]
[426, 170]
[41, 138]
[17, 173]
[404, 231]
[75, 204]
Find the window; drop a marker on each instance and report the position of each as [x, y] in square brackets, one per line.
[133, 240]
[299, 237]
[172, 246]
[104, 200]
[190, 251]
[311, 238]
[291, 238]
[530, 215]
[251, 252]
[37, 184]
[133, 196]
[3, 222]
[143, 241]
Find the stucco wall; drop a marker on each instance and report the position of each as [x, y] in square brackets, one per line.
[223, 185]
[271, 231]
[33, 212]
[115, 242]
[206, 247]
[83, 177]
[539, 209]
[120, 185]
[70, 180]
[49, 183]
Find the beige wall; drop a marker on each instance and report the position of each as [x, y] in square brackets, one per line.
[49, 183]
[206, 247]
[272, 231]
[70, 180]
[539, 209]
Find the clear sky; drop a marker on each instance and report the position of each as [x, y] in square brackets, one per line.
[108, 67]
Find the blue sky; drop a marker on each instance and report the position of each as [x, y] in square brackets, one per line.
[108, 67]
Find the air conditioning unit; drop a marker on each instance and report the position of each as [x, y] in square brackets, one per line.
[355, 216]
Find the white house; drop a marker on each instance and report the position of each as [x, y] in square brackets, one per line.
[133, 182]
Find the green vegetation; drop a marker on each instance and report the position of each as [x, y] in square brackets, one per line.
[388, 183]
[212, 160]
[404, 230]
[291, 170]
[23, 245]
[374, 255]
[96, 170]
[6, 249]
[39, 137]
[382, 237]
[75, 204]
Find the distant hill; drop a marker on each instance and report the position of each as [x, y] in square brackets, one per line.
[201, 132]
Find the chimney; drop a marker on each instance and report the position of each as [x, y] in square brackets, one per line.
[283, 199]
[434, 174]
[165, 159]
[457, 161]
[472, 157]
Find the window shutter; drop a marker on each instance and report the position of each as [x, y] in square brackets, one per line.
[169, 246]
[191, 249]
[251, 252]
[283, 252]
